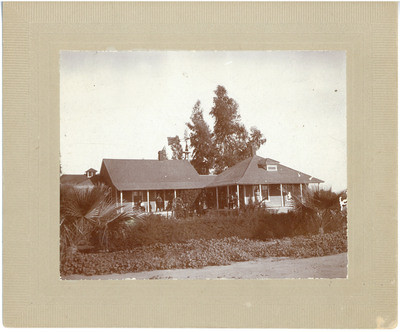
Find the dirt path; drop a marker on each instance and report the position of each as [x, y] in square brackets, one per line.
[334, 266]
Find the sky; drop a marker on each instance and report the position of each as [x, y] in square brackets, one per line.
[116, 104]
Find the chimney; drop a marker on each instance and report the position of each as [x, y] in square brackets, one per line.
[162, 155]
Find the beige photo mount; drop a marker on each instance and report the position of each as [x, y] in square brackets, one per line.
[33, 36]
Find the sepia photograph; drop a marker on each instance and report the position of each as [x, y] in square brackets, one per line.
[203, 165]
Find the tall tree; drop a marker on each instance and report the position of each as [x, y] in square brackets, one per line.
[231, 138]
[256, 138]
[201, 141]
[176, 147]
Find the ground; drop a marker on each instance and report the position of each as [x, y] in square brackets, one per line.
[334, 266]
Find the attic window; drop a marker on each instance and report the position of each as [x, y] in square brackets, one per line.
[272, 168]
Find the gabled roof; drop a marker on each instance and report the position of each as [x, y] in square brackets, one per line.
[91, 170]
[141, 174]
[250, 171]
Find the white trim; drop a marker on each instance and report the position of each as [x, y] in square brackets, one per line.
[238, 196]
[148, 202]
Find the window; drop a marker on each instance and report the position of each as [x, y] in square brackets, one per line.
[272, 168]
[275, 190]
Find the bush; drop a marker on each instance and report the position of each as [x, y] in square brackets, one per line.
[187, 203]
[89, 218]
[200, 253]
[253, 224]
[156, 229]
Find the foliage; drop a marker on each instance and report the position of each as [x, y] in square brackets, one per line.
[228, 143]
[176, 147]
[200, 253]
[186, 203]
[229, 134]
[251, 224]
[256, 138]
[89, 218]
[320, 206]
[231, 139]
[201, 141]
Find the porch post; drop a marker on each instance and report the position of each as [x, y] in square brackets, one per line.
[216, 188]
[174, 193]
[163, 192]
[261, 197]
[301, 191]
[148, 201]
[227, 195]
[238, 196]
[244, 194]
[121, 200]
[133, 200]
[282, 202]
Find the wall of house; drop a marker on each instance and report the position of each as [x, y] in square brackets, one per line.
[271, 194]
[273, 201]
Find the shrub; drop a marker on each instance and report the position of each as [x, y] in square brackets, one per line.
[253, 224]
[156, 229]
[322, 208]
[89, 218]
[187, 202]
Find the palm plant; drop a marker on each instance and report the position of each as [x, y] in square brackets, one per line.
[321, 206]
[89, 217]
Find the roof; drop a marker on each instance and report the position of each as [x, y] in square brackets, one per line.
[207, 179]
[91, 170]
[142, 174]
[80, 180]
[250, 171]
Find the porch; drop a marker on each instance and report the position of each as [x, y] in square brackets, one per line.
[271, 196]
[221, 200]
[148, 201]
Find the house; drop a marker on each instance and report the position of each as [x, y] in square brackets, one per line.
[89, 179]
[260, 180]
[137, 182]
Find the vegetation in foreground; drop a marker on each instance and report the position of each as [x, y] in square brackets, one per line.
[98, 238]
[200, 253]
